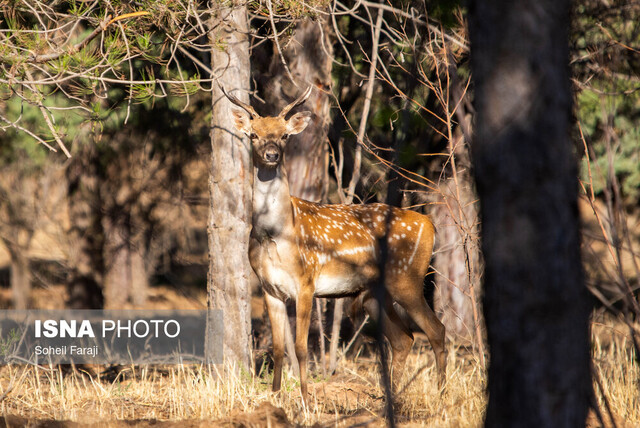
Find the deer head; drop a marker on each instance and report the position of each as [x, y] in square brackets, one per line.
[269, 135]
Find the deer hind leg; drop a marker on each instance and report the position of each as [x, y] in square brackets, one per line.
[395, 330]
[408, 292]
[277, 316]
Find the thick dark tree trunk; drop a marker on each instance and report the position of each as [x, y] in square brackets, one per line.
[85, 235]
[230, 187]
[536, 304]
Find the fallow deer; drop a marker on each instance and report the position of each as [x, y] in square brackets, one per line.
[300, 249]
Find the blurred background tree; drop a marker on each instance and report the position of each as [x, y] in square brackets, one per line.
[605, 63]
[79, 80]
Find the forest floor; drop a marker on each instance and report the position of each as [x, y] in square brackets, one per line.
[193, 396]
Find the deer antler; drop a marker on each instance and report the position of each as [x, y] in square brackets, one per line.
[302, 98]
[239, 103]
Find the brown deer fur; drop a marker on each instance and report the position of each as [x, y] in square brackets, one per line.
[299, 249]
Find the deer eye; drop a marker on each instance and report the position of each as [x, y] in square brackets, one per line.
[253, 136]
[285, 136]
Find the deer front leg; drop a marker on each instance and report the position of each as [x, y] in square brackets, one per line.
[277, 316]
[303, 318]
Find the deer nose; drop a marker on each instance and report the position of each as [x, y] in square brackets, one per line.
[271, 155]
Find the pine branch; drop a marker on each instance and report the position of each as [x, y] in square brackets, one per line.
[41, 58]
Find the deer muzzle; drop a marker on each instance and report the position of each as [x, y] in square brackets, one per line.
[272, 154]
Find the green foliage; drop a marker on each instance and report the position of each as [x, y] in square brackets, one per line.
[291, 9]
[79, 68]
[607, 104]
[612, 126]
[444, 11]
[9, 343]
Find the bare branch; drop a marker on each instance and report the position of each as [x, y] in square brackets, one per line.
[26, 131]
[47, 119]
[275, 39]
[365, 110]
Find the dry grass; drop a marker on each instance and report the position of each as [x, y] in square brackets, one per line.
[194, 393]
[616, 367]
[196, 396]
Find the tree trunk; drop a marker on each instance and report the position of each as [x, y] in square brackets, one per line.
[139, 277]
[308, 56]
[456, 258]
[456, 214]
[230, 187]
[126, 277]
[536, 305]
[85, 234]
[117, 274]
[20, 278]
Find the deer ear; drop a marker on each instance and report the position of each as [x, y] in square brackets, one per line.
[298, 122]
[242, 120]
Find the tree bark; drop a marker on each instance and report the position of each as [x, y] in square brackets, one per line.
[535, 302]
[230, 186]
[128, 261]
[117, 274]
[20, 278]
[139, 277]
[85, 234]
[456, 258]
[21, 201]
[308, 57]
[456, 214]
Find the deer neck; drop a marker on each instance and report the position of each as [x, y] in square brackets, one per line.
[272, 208]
